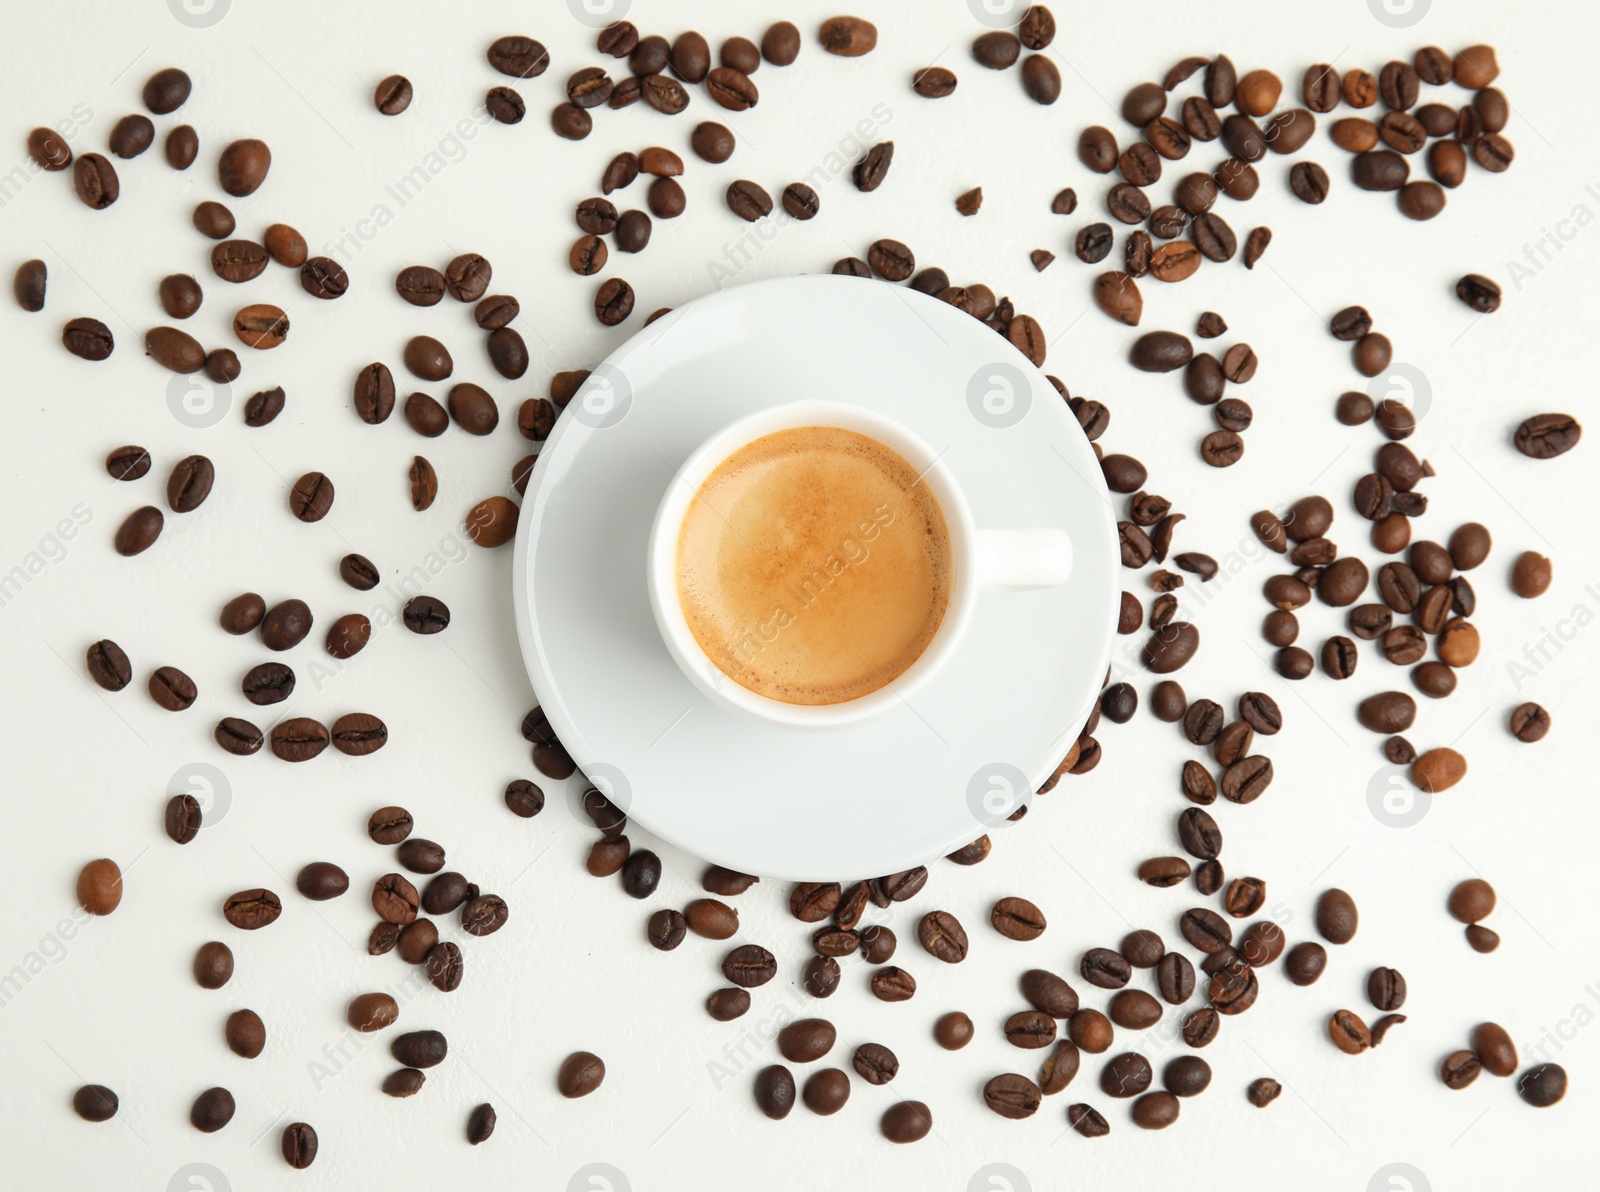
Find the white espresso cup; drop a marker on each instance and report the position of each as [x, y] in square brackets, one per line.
[980, 560]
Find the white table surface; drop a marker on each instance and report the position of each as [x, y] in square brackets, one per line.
[87, 773]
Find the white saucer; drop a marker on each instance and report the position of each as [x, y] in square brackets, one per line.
[787, 803]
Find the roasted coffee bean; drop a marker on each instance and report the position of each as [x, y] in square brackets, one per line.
[1012, 1096]
[1048, 993]
[87, 339]
[1471, 900]
[250, 910]
[1126, 1075]
[94, 179]
[1093, 243]
[28, 286]
[1199, 834]
[420, 1049]
[395, 899]
[1105, 969]
[748, 966]
[1546, 436]
[359, 733]
[1421, 200]
[1134, 1009]
[392, 95]
[138, 531]
[891, 260]
[868, 173]
[213, 965]
[1280, 628]
[245, 1033]
[805, 1040]
[1205, 929]
[641, 873]
[268, 683]
[1529, 723]
[417, 940]
[1127, 203]
[1459, 1069]
[1197, 784]
[1017, 919]
[519, 57]
[1163, 871]
[1379, 169]
[311, 497]
[183, 818]
[49, 149]
[1336, 916]
[942, 937]
[613, 302]
[212, 1110]
[109, 666]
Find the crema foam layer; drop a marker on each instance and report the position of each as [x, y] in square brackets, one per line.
[812, 566]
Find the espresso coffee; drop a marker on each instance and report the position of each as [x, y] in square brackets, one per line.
[813, 567]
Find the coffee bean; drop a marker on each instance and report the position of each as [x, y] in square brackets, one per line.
[774, 1091]
[1135, 1010]
[49, 149]
[392, 95]
[268, 683]
[1017, 919]
[806, 1039]
[311, 497]
[406, 1082]
[28, 286]
[1119, 296]
[1379, 169]
[420, 1049]
[108, 665]
[1126, 1075]
[519, 57]
[1386, 989]
[172, 688]
[245, 1033]
[395, 899]
[1200, 1027]
[1105, 969]
[138, 531]
[213, 965]
[1545, 436]
[942, 937]
[506, 105]
[94, 179]
[323, 277]
[1199, 834]
[426, 615]
[212, 1110]
[1336, 916]
[1494, 1049]
[748, 966]
[1012, 1096]
[87, 339]
[868, 173]
[183, 818]
[250, 910]
[1459, 1069]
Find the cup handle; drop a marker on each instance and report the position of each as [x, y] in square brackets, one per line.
[1016, 560]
